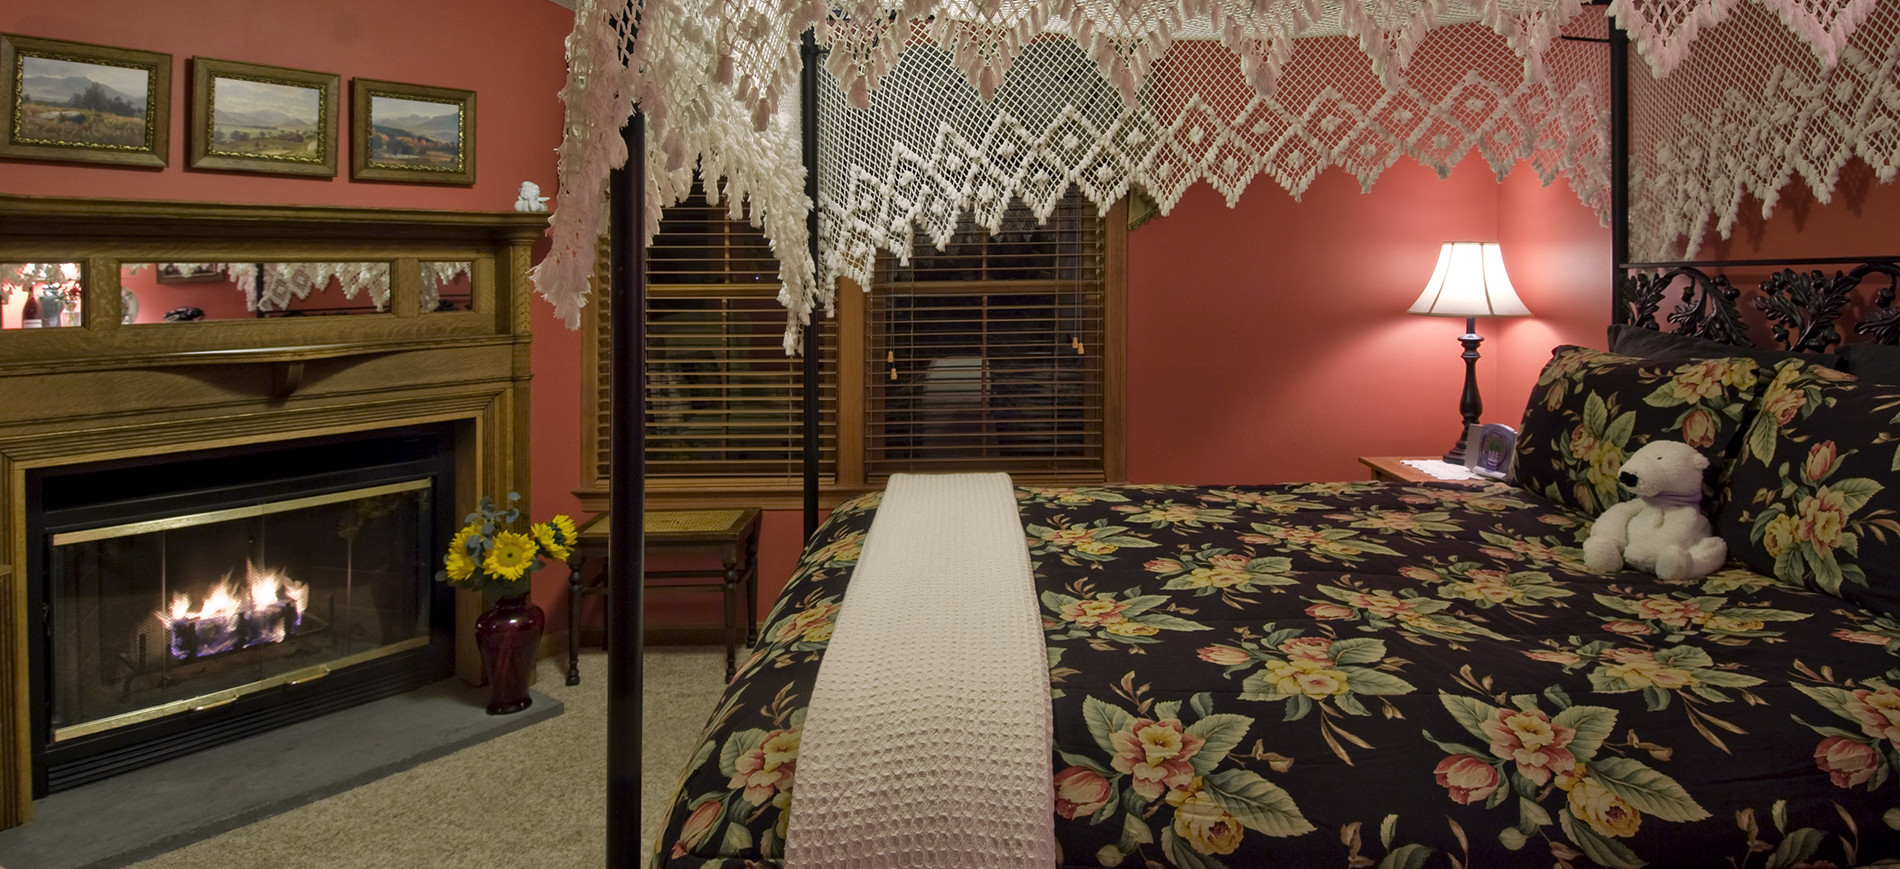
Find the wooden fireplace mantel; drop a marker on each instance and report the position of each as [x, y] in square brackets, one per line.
[103, 391]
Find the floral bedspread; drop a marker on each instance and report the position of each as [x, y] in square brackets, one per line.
[1378, 675]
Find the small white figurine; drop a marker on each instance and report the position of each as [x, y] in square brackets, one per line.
[531, 198]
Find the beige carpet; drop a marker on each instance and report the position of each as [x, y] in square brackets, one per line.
[534, 797]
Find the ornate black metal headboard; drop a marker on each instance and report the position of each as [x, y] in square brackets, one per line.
[1803, 309]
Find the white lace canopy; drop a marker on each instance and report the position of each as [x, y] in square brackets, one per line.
[931, 109]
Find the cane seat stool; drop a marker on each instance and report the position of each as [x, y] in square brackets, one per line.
[733, 533]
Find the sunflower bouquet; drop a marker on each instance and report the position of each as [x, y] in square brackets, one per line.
[488, 556]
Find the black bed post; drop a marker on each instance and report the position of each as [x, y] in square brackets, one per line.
[1619, 169]
[626, 500]
[808, 131]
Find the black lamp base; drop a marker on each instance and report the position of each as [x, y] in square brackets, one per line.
[1456, 456]
[1470, 406]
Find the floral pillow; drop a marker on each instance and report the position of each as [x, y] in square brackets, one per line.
[1814, 498]
[1591, 409]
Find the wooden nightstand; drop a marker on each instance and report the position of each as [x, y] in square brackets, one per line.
[1394, 469]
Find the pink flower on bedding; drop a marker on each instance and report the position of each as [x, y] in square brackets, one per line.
[1167, 513]
[1155, 755]
[1669, 611]
[1848, 762]
[1868, 637]
[1317, 650]
[1639, 668]
[1823, 518]
[1733, 624]
[811, 624]
[1469, 779]
[1878, 712]
[1628, 628]
[1550, 656]
[1781, 402]
[1081, 792]
[1094, 613]
[1230, 561]
[1381, 604]
[768, 767]
[1530, 739]
[1701, 383]
[1330, 611]
[698, 825]
[1496, 589]
[1217, 577]
[846, 548]
[1162, 565]
[1698, 428]
[1226, 656]
[1554, 397]
[1420, 574]
[1821, 461]
[1581, 441]
[1068, 536]
[1303, 676]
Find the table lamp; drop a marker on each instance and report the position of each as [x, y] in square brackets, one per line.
[1469, 282]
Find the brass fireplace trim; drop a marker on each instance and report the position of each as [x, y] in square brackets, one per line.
[171, 523]
[228, 696]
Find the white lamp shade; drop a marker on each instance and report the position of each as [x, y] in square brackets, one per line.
[1469, 281]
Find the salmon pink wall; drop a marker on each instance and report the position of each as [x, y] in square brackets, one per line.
[510, 52]
[1270, 342]
[1558, 255]
[1858, 221]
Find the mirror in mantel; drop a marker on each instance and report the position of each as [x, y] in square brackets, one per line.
[39, 295]
[48, 295]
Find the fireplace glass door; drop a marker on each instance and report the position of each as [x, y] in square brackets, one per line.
[190, 612]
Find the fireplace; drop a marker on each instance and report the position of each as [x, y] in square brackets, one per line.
[194, 599]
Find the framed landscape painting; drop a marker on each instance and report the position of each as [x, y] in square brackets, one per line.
[251, 118]
[409, 132]
[89, 103]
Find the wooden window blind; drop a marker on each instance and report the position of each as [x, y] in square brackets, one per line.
[991, 353]
[724, 404]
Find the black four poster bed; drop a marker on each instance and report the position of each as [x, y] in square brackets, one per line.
[1388, 674]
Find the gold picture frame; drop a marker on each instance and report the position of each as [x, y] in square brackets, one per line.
[247, 117]
[122, 115]
[411, 132]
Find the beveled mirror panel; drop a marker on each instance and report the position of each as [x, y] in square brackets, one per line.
[191, 292]
[43, 295]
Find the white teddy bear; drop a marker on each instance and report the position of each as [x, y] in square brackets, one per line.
[1662, 530]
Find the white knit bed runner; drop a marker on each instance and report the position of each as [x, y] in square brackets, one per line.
[926, 743]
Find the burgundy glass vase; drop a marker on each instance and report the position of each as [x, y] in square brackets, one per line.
[508, 634]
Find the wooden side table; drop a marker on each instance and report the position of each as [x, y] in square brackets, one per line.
[734, 533]
[1394, 469]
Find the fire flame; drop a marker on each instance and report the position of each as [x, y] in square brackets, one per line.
[270, 607]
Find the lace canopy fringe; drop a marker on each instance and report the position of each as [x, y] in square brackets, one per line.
[935, 108]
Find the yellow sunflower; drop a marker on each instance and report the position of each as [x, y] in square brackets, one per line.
[556, 536]
[511, 556]
[458, 564]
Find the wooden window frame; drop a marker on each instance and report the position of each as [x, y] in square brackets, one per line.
[850, 477]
